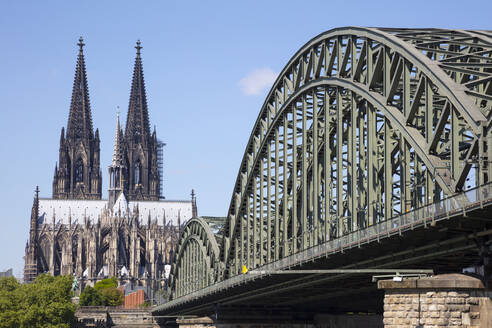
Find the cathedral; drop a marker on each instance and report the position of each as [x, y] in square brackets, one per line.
[131, 235]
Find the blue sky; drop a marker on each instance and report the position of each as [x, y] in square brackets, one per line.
[208, 66]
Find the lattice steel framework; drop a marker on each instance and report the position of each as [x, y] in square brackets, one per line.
[363, 124]
[197, 258]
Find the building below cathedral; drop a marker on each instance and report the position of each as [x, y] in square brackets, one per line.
[133, 234]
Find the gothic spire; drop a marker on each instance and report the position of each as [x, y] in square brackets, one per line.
[137, 122]
[80, 119]
[35, 209]
[118, 159]
[30, 269]
[79, 176]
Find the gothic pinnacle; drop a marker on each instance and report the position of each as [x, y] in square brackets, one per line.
[117, 142]
[138, 47]
[35, 210]
[81, 44]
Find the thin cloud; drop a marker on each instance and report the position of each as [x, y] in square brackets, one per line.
[257, 81]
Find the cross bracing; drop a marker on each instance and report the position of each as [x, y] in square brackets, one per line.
[363, 125]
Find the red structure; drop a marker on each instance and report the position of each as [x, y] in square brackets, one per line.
[135, 299]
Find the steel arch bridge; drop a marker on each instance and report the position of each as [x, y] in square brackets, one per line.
[363, 130]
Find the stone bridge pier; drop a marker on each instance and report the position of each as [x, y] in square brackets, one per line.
[448, 300]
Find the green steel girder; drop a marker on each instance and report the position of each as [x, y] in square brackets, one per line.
[362, 125]
[196, 261]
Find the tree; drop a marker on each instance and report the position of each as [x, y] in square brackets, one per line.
[104, 292]
[9, 302]
[106, 283]
[112, 296]
[91, 297]
[46, 302]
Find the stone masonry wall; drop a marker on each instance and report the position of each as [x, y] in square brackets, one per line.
[452, 301]
[103, 317]
[411, 308]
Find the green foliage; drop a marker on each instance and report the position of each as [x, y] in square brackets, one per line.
[91, 297]
[46, 303]
[106, 283]
[9, 302]
[9, 284]
[112, 296]
[104, 292]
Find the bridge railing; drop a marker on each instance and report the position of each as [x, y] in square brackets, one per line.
[444, 208]
[455, 205]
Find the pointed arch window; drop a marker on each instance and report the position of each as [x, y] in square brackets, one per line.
[79, 171]
[67, 167]
[137, 172]
[117, 178]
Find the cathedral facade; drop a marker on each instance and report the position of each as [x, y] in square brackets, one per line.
[131, 235]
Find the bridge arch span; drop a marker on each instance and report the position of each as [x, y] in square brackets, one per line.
[411, 107]
[196, 261]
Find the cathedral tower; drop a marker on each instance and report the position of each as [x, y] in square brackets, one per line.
[77, 175]
[142, 178]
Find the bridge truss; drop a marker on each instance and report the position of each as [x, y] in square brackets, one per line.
[362, 126]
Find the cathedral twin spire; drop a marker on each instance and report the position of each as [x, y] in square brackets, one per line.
[137, 123]
[80, 118]
[78, 175]
[142, 178]
[133, 169]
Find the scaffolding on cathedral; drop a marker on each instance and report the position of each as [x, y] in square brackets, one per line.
[160, 165]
